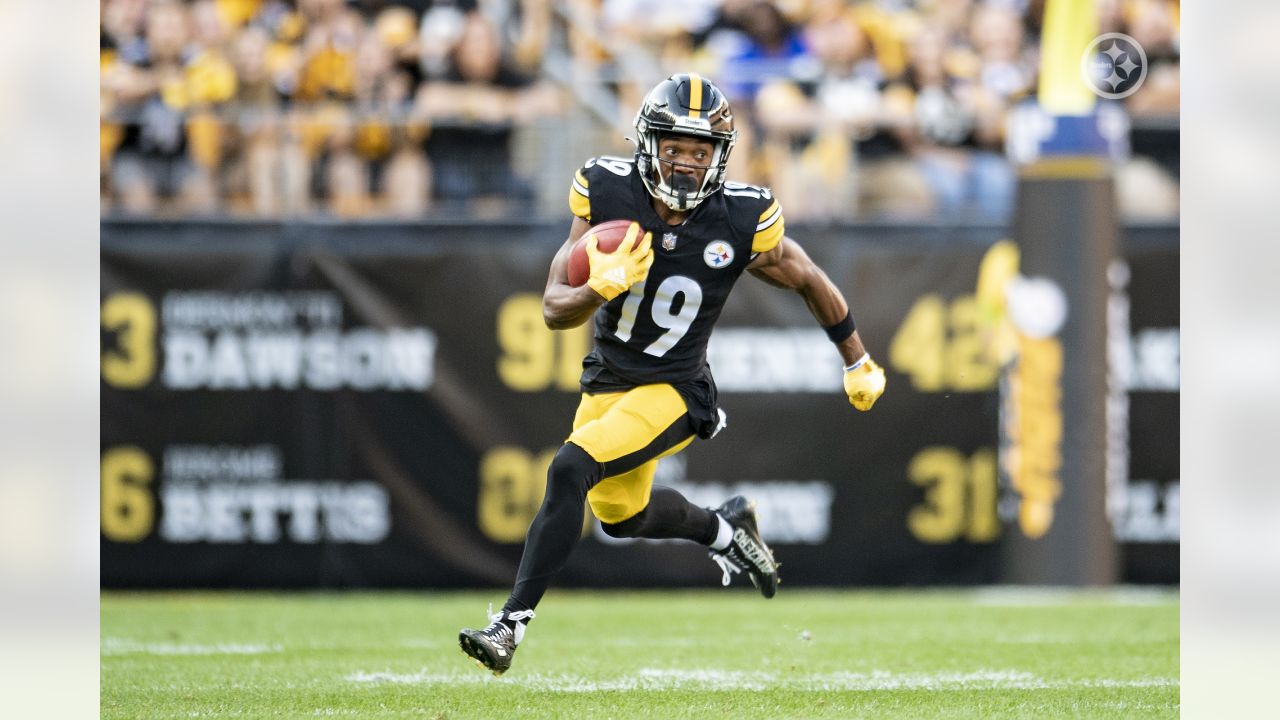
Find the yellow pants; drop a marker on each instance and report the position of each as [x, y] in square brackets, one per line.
[628, 432]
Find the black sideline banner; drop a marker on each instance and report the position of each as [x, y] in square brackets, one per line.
[326, 405]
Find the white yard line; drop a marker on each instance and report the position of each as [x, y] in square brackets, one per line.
[660, 679]
[120, 646]
[1038, 596]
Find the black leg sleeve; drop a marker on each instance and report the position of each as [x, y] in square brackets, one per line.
[668, 516]
[556, 527]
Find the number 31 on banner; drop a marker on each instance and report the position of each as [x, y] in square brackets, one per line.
[959, 496]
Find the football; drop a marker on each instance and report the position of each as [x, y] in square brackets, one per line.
[610, 235]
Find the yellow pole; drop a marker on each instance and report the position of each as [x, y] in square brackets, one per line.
[1069, 27]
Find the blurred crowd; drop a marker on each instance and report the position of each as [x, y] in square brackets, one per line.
[405, 108]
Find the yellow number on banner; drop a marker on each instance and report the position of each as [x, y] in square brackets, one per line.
[574, 343]
[969, 368]
[917, 348]
[533, 356]
[512, 483]
[940, 470]
[941, 346]
[128, 508]
[960, 496]
[526, 343]
[133, 318]
[984, 524]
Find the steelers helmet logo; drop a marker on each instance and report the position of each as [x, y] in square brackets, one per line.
[1114, 66]
[718, 254]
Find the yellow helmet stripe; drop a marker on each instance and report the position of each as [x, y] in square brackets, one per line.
[695, 95]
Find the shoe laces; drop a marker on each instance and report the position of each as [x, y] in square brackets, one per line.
[727, 566]
[500, 630]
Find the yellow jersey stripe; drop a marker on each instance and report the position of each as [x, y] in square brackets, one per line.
[581, 179]
[695, 95]
[770, 230]
[768, 217]
[579, 202]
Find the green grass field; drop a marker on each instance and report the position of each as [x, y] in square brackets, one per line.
[665, 655]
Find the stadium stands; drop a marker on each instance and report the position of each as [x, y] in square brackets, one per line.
[413, 108]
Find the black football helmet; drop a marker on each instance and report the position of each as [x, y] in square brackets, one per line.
[684, 104]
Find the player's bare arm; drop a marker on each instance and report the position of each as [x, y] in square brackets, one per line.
[563, 305]
[788, 266]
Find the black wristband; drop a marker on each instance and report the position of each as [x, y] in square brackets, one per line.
[841, 331]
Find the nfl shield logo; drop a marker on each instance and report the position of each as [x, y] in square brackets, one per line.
[669, 241]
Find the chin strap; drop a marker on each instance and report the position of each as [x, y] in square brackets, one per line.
[681, 184]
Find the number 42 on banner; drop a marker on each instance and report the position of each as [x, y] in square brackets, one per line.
[942, 346]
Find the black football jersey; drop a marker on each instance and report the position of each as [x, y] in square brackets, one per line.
[658, 331]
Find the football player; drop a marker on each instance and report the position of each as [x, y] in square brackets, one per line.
[647, 390]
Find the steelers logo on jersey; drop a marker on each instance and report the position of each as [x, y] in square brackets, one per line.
[718, 254]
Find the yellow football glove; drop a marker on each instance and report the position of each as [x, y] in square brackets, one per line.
[864, 383]
[614, 273]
